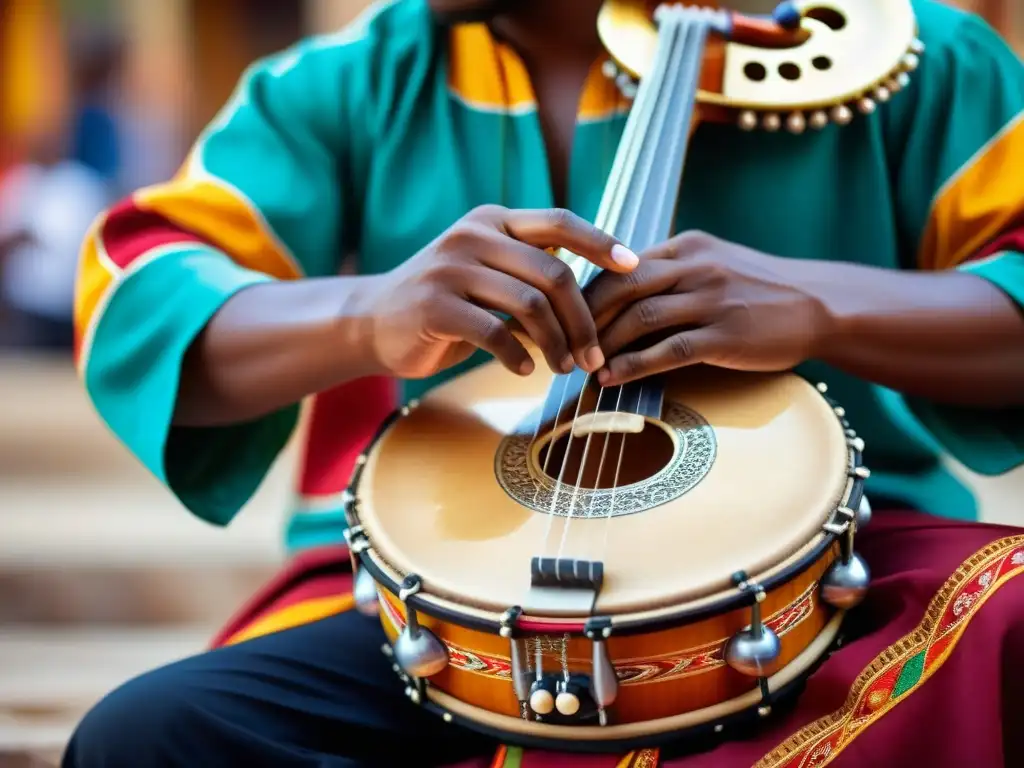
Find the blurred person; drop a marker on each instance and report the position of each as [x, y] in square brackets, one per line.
[885, 257]
[47, 204]
[97, 60]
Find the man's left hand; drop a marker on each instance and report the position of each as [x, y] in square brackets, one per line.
[697, 299]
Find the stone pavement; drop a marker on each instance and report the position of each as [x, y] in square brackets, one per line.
[103, 576]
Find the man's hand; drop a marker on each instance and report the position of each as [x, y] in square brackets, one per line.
[697, 299]
[434, 310]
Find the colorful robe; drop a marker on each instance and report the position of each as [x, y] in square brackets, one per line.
[340, 146]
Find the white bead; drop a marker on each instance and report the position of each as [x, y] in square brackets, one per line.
[772, 123]
[911, 62]
[842, 114]
[796, 123]
[866, 106]
[882, 94]
[748, 121]
[819, 120]
[542, 702]
[567, 704]
[903, 79]
[609, 69]
[917, 47]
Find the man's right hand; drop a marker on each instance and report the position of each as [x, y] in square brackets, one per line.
[434, 310]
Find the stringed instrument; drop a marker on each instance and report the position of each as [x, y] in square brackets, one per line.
[586, 568]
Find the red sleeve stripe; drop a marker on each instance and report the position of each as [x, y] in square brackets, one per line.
[1011, 239]
[130, 232]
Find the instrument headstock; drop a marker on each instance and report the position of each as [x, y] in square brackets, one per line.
[811, 63]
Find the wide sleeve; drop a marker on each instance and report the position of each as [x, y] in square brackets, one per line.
[959, 163]
[262, 197]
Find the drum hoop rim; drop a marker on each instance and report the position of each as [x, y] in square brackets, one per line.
[444, 609]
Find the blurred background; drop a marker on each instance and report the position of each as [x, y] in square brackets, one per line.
[102, 575]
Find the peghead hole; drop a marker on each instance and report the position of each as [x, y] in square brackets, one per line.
[755, 71]
[789, 71]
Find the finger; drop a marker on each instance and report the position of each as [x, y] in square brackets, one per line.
[657, 313]
[612, 294]
[678, 351]
[556, 281]
[461, 321]
[560, 228]
[529, 306]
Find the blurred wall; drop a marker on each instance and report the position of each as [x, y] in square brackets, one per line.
[33, 82]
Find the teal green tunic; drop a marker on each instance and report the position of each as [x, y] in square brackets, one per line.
[374, 140]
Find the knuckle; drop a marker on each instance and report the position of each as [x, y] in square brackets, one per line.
[562, 218]
[494, 333]
[680, 348]
[441, 271]
[635, 280]
[487, 212]
[696, 240]
[558, 275]
[458, 237]
[630, 365]
[533, 303]
[648, 314]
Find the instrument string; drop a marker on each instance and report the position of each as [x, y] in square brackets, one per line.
[612, 206]
[615, 483]
[667, 96]
[547, 457]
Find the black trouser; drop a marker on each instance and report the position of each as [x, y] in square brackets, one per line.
[318, 695]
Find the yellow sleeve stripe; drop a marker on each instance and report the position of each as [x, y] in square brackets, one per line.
[984, 198]
[488, 76]
[96, 274]
[222, 216]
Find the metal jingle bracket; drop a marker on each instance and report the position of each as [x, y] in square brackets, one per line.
[755, 650]
[604, 680]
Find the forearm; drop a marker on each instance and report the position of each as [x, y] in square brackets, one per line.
[950, 337]
[270, 346]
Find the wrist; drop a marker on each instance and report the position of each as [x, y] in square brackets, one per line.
[356, 324]
[833, 307]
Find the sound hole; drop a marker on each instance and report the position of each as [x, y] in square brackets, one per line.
[830, 17]
[644, 456]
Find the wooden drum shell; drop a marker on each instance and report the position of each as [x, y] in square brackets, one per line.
[662, 688]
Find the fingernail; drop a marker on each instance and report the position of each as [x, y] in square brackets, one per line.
[568, 364]
[603, 377]
[594, 358]
[624, 257]
[526, 368]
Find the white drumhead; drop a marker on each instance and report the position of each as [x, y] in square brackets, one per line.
[431, 502]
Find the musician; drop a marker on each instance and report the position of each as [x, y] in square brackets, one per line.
[440, 148]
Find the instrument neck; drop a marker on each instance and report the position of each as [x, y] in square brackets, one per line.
[639, 202]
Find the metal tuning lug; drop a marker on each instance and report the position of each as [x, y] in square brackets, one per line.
[863, 512]
[847, 580]
[522, 676]
[755, 650]
[417, 649]
[364, 591]
[604, 681]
